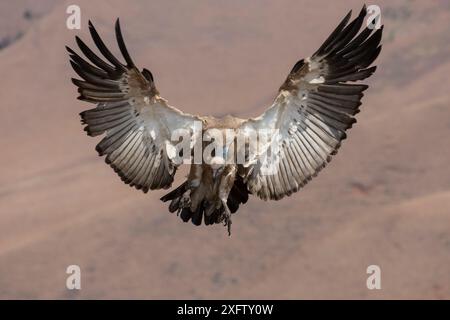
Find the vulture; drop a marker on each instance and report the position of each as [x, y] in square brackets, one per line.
[279, 151]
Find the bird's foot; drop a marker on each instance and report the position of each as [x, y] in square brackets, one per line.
[185, 199]
[227, 217]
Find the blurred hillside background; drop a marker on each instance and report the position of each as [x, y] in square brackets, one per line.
[383, 200]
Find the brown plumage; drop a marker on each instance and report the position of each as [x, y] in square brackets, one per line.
[311, 114]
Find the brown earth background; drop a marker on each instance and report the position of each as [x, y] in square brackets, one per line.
[384, 199]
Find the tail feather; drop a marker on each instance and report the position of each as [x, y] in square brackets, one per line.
[176, 193]
[198, 215]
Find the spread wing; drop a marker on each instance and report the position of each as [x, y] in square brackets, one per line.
[136, 122]
[315, 107]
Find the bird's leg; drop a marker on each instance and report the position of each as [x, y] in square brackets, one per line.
[227, 216]
[226, 183]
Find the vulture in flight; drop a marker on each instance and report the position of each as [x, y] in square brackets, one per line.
[307, 122]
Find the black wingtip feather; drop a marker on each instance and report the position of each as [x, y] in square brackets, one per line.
[122, 46]
[347, 33]
[335, 32]
[70, 50]
[148, 75]
[93, 57]
[103, 48]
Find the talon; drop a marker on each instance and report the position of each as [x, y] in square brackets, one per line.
[227, 217]
[229, 226]
[186, 199]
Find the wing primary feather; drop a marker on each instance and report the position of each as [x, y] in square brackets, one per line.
[122, 46]
[103, 96]
[360, 75]
[103, 49]
[94, 58]
[96, 129]
[86, 65]
[94, 79]
[348, 33]
[343, 89]
[100, 113]
[371, 43]
[332, 36]
[90, 86]
[334, 103]
[360, 38]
